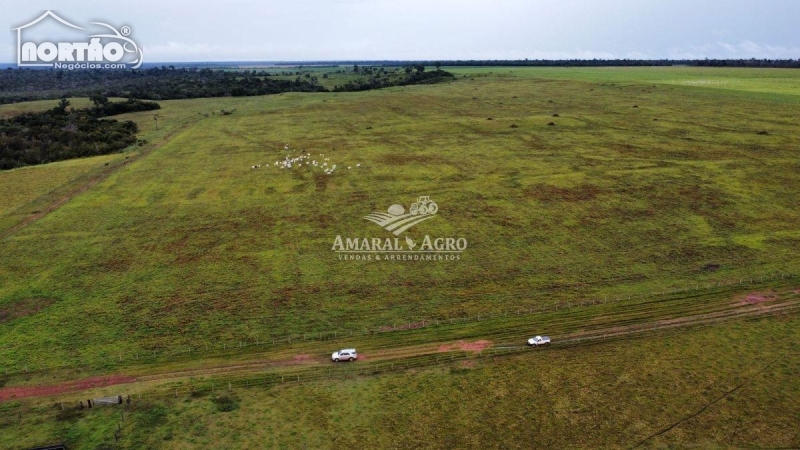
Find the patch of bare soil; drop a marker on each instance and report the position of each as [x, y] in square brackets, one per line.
[72, 386]
[476, 346]
[754, 298]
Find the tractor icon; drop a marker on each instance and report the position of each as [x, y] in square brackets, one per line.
[423, 206]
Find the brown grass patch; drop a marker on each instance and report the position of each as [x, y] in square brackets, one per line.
[550, 194]
[401, 159]
[24, 307]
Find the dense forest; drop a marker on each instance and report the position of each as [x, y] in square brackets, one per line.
[61, 133]
[164, 83]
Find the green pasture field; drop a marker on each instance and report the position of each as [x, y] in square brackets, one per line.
[13, 109]
[765, 81]
[23, 187]
[649, 180]
[190, 245]
[730, 385]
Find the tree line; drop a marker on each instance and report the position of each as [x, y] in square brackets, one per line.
[165, 83]
[62, 133]
[752, 62]
[379, 77]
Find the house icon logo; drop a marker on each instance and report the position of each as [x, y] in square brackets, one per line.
[397, 220]
[110, 48]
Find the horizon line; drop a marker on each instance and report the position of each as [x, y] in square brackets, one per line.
[401, 60]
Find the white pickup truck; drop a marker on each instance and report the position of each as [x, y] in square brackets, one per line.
[539, 340]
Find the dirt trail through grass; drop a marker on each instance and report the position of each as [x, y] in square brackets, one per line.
[104, 174]
[396, 354]
[72, 386]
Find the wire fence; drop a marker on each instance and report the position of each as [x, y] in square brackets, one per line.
[225, 382]
[455, 360]
[219, 347]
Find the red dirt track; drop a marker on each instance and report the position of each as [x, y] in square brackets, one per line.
[476, 346]
[80, 385]
[750, 305]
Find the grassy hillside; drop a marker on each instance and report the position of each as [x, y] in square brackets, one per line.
[190, 246]
[651, 198]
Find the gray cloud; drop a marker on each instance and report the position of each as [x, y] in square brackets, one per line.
[183, 30]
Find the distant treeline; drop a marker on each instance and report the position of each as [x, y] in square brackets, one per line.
[164, 83]
[777, 63]
[377, 78]
[61, 133]
[104, 108]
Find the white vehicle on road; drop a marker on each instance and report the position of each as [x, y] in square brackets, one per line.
[347, 354]
[539, 340]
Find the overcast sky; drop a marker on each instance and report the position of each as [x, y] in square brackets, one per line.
[269, 30]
